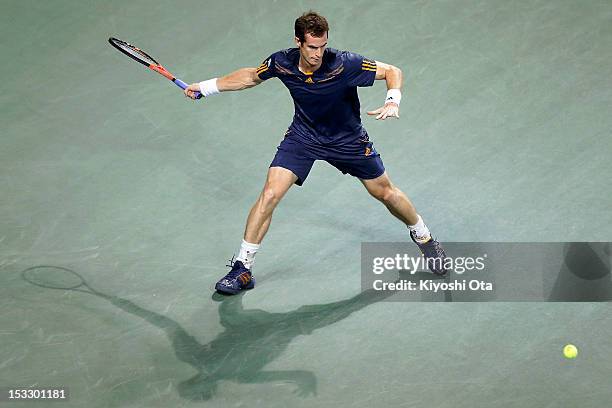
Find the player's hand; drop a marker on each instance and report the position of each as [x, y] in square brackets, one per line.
[390, 110]
[191, 90]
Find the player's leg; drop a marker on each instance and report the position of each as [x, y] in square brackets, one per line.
[291, 165]
[278, 182]
[393, 198]
[400, 206]
[370, 170]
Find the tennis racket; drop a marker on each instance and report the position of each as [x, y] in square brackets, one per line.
[57, 277]
[145, 59]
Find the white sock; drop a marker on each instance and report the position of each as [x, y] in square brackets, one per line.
[247, 253]
[420, 231]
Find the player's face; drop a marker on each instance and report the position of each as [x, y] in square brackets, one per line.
[312, 49]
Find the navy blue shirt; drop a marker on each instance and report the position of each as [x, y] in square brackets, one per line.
[326, 101]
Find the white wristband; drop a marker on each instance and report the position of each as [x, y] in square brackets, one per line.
[394, 95]
[209, 87]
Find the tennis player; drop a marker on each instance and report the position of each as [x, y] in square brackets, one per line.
[326, 126]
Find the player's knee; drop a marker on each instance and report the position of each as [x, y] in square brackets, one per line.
[269, 197]
[389, 195]
[385, 193]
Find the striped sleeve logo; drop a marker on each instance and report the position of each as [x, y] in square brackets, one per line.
[368, 65]
[263, 67]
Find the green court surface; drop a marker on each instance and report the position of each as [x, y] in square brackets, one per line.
[107, 170]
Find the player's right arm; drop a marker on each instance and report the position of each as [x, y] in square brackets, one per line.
[236, 81]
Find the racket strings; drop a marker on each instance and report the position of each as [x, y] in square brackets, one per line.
[140, 54]
[133, 51]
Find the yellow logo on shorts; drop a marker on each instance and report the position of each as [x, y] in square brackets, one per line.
[368, 151]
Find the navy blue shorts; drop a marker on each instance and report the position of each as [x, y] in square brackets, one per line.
[362, 162]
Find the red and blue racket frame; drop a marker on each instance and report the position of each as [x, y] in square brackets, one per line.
[145, 59]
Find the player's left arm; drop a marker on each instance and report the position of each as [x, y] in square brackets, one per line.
[393, 76]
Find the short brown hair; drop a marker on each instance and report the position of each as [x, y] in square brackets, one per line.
[310, 23]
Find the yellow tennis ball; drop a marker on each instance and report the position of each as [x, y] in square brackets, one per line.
[570, 351]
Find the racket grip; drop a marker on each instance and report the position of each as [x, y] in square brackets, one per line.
[183, 85]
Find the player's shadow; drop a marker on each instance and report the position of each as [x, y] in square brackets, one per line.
[584, 274]
[251, 340]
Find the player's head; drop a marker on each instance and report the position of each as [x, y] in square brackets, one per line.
[311, 31]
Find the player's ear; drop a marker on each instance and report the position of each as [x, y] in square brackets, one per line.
[297, 41]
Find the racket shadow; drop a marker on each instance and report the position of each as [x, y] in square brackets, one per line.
[251, 338]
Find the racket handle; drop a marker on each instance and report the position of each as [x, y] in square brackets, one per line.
[183, 85]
